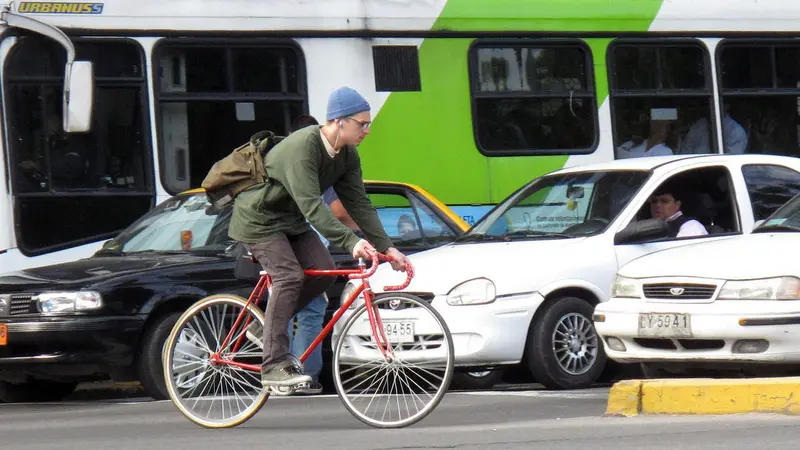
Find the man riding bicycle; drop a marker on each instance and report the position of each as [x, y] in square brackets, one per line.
[272, 220]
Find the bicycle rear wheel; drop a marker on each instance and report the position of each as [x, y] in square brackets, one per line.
[215, 395]
[402, 387]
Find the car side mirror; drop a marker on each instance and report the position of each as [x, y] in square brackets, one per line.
[575, 191]
[78, 101]
[642, 230]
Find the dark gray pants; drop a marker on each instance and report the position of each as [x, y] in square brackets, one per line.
[284, 257]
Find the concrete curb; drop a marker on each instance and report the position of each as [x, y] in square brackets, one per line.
[702, 396]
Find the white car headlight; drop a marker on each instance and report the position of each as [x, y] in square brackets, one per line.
[780, 288]
[348, 290]
[68, 302]
[625, 287]
[479, 291]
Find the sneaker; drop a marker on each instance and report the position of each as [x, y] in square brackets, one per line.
[311, 388]
[284, 374]
[281, 391]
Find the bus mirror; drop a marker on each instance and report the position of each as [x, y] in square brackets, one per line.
[78, 97]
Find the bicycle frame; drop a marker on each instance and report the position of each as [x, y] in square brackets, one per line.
[265, 283]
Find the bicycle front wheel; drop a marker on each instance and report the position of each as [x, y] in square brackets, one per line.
[395, 374]
[216, 394]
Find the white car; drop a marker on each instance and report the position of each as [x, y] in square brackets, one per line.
[732, 301]
[522, 284]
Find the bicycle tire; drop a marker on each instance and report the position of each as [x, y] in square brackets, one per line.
[447, 339]
[168, 352]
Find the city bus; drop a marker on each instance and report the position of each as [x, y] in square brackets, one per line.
[470, 98]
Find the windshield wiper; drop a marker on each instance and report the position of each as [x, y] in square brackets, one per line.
[478, 237]
[778, 228]
[531, 233]
[160, 252]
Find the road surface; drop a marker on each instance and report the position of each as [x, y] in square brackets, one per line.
[476, 420]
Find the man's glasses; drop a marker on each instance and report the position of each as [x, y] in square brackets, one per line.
[364, 125]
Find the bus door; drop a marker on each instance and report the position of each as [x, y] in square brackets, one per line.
[6, 228]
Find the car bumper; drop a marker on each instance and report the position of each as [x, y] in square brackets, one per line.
[719, 331]
[71, 346]
[483, 335]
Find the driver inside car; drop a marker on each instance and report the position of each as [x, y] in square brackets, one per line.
[665, 204]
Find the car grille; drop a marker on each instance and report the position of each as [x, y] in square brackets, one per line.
[22, 304]
[424, 296]
[679, 291]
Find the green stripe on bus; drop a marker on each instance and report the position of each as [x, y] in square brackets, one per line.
[426, 138]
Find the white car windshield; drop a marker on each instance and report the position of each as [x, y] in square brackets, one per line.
[180, 224]
[569, 205]
[785, 218]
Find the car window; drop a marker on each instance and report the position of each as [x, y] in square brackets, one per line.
[786, 218]
[575, 204]
[403, 220]
[769, 187]
[434, 229]
[181, 223]
[703, 194]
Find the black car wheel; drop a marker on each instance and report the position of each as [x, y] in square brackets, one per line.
[35, 391]
[564, 350]
[150, 366]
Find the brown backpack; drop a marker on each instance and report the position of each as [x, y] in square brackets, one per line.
[240, 170]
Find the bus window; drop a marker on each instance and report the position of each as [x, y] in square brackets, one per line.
[662, 101]
[532, 98]
[760, 100]
[213, 97]
[75, 188]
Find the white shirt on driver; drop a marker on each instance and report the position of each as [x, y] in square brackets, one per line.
[690, 228]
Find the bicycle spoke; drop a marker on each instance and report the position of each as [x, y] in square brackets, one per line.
[426, 360]
[214, 393]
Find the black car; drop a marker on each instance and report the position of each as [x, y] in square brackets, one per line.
[107, 316]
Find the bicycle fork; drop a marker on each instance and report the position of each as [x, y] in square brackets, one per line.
[378, 330]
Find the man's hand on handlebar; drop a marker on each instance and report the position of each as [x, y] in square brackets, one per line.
[364, 249]
[398, 260]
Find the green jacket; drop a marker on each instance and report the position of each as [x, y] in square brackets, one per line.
[299, 170]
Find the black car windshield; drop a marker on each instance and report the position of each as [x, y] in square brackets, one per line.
[560, 206]
[785, 218]
[182, 223]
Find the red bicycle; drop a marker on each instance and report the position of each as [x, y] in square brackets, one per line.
[393, 355]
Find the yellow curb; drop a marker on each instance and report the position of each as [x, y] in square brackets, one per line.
[704, 396]
[624, 398]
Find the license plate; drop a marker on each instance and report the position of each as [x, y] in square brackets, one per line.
[3, 334]
[665, 325]
[399, 332]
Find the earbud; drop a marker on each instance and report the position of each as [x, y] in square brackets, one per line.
[340, 124]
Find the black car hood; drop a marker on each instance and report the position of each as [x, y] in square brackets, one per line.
[96, 269]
